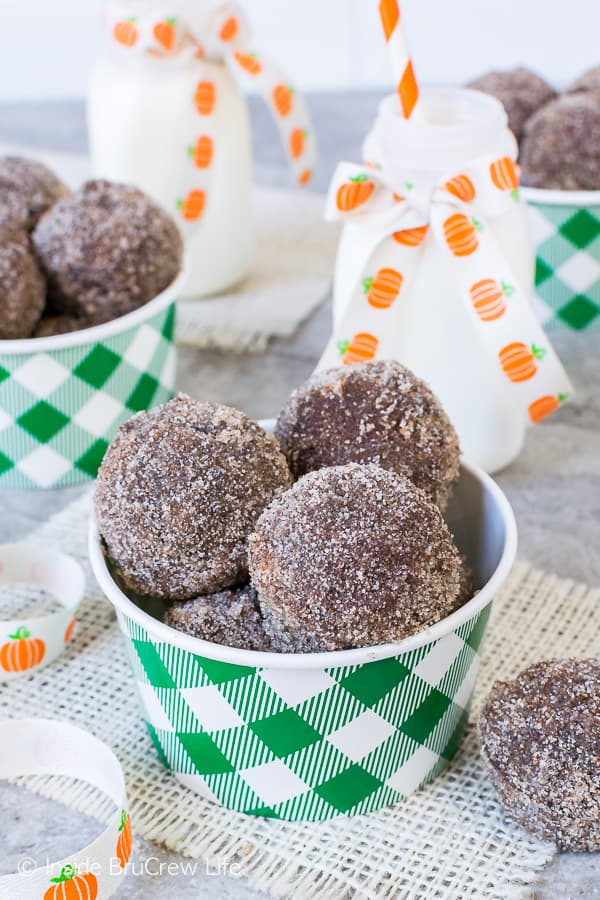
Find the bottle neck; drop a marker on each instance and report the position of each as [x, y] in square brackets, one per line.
[453, 127]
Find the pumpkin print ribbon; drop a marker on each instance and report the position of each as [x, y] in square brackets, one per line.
[222, 35]
[51, 747]
[398, 221]
[28, 643]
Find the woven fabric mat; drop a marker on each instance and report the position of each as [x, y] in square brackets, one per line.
[292, 273]
[449, 840]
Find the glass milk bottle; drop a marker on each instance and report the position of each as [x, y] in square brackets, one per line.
[156, 120]
[436, 336]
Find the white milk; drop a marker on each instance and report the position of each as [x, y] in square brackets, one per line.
[142, 119]
[436, 335]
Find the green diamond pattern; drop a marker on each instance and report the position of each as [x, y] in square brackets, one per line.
[168, 328]
[143, 394]
[6, 464]
[98, 366]
[285, 732]
[42, 421]
[298, 745]
[567, 273]
[347, 789]
[92, 458]
[370, 683]
[204, 753]
[581, 229]
[60, 409]
[579, 312]
[542, 271]
[424, 719]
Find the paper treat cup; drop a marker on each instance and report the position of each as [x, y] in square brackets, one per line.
[62, 398]
[309, 737]
[566, 229]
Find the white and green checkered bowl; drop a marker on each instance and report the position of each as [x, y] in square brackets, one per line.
[566, 230]
[62, 398]
[313, 736]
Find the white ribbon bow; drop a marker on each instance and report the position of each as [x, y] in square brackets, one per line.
[455, 214]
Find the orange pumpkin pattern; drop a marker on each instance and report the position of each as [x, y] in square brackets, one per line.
[22, 652]
[382, 291]
[202, 152]
[205, 97]
[462, 188]
[248, 62]
[545, 406]
[71, 886]
[164, 33]
[230, 29]
[519, 361]
[297, 142]
[126, 33]
[461, 234]
[125, 840]
[411, 237]
[305, 176]
[283, 97]
[193, 206]
[69, 630]
[488, 298]
[354, 193]
[361, 348]
[503, 173]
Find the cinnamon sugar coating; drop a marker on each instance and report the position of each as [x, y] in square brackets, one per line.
[107, 250]
[560, 149]
[589, 81]
[231, 618]
[520, 91]
[178, 493]
[22, 286]
[27, 190]
[376, 412]
[352, 556]
[48, 326]
[540, 739]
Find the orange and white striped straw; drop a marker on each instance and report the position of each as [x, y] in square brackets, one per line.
[406, 83]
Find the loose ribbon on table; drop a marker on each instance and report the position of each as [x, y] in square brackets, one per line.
[455, 214]
[225, 36]
[29, 643]
[49, 747]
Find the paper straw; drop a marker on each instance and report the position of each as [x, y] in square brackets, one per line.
[402, 67]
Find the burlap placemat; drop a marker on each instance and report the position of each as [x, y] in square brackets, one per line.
[449, 840]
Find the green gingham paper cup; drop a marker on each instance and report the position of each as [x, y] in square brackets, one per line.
[310, 737]
[62, 398]
[566, 231]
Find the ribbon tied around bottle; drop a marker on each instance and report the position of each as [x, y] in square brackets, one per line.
[221, 35]
[398, 222]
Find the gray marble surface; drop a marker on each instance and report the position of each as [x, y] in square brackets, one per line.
[554, 486]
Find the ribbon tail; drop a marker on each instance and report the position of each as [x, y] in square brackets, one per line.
[501, 312]
[288, 108]
[368, 326]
